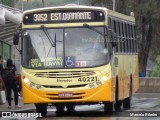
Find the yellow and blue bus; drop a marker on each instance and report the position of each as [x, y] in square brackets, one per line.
[75, 55]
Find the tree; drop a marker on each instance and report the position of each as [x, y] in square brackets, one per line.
[8, 2]
[147, 17]
[156, 69]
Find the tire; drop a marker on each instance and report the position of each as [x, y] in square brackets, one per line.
[60, 110]
[117, 106]
[127, 101]
[118, 103]
[70, 109]
[108, 107]
[41, 108]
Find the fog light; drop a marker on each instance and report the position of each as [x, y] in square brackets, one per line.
[99, 82]
[91, 85]
[32, 84]
[26, 80]
[39, 87]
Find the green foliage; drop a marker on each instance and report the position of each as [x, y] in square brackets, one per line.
[156, 69]
[32, 4]
[8, 2]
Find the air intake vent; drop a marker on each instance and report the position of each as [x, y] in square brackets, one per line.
[69, 86]
[64, 74]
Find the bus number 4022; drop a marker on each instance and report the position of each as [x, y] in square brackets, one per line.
[88, 79]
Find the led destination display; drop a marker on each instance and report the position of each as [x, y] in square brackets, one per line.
[63, 16]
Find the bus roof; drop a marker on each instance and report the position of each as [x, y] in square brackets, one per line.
[71, 6]
[121, 16]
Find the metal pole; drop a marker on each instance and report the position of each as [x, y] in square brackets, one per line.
[78, 2]
[43, 3]
[22, 4]
[114, 5]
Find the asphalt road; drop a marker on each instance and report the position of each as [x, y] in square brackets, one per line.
[145, 106]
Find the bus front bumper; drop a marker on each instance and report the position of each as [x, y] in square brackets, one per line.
[93, 95]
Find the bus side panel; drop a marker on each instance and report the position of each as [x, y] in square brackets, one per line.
[135, 76]
[126, 75]
[118, 74]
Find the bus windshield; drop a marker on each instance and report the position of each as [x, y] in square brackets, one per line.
[64, 48]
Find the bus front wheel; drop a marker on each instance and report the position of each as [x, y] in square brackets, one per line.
[60, 110]
[70, 109]
[118, 103]
[108, 107]
[41, 108]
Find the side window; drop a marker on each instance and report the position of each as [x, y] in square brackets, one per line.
[115, 31]
[109, 23]
[121, 37]
[114, 24]
[108, 37]
[133, 39]
[118, 36]
[124, 39]
[126, 36]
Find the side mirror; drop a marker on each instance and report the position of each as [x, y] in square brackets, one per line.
[16, 38]
[114, 40]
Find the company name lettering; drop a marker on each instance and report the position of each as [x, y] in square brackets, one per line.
[67, 80]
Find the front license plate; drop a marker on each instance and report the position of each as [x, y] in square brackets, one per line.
[65, 94]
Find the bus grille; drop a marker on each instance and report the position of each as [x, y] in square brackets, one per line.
[74, 97]
[64, 74]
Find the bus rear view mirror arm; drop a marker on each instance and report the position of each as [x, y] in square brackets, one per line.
[16, 38]
[16, 35]
[114, 40]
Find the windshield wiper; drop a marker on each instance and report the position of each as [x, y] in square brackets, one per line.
[92, 28]
[48, 36]
[53, 43]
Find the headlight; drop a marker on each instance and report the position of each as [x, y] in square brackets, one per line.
[26, 80]
[32, 84]
[105, 78]
[99, 82]
[91, 85]
[38, 87]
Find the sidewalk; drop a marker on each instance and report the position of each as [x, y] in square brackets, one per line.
[25, 107]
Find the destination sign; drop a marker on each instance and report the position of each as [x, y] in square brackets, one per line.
[46, 17]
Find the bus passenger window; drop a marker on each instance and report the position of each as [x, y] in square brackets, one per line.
[126, 36]
[109, 23]
[134, 43]
[120, 37]
[115, 31]
[132, 39]
[123, 37]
